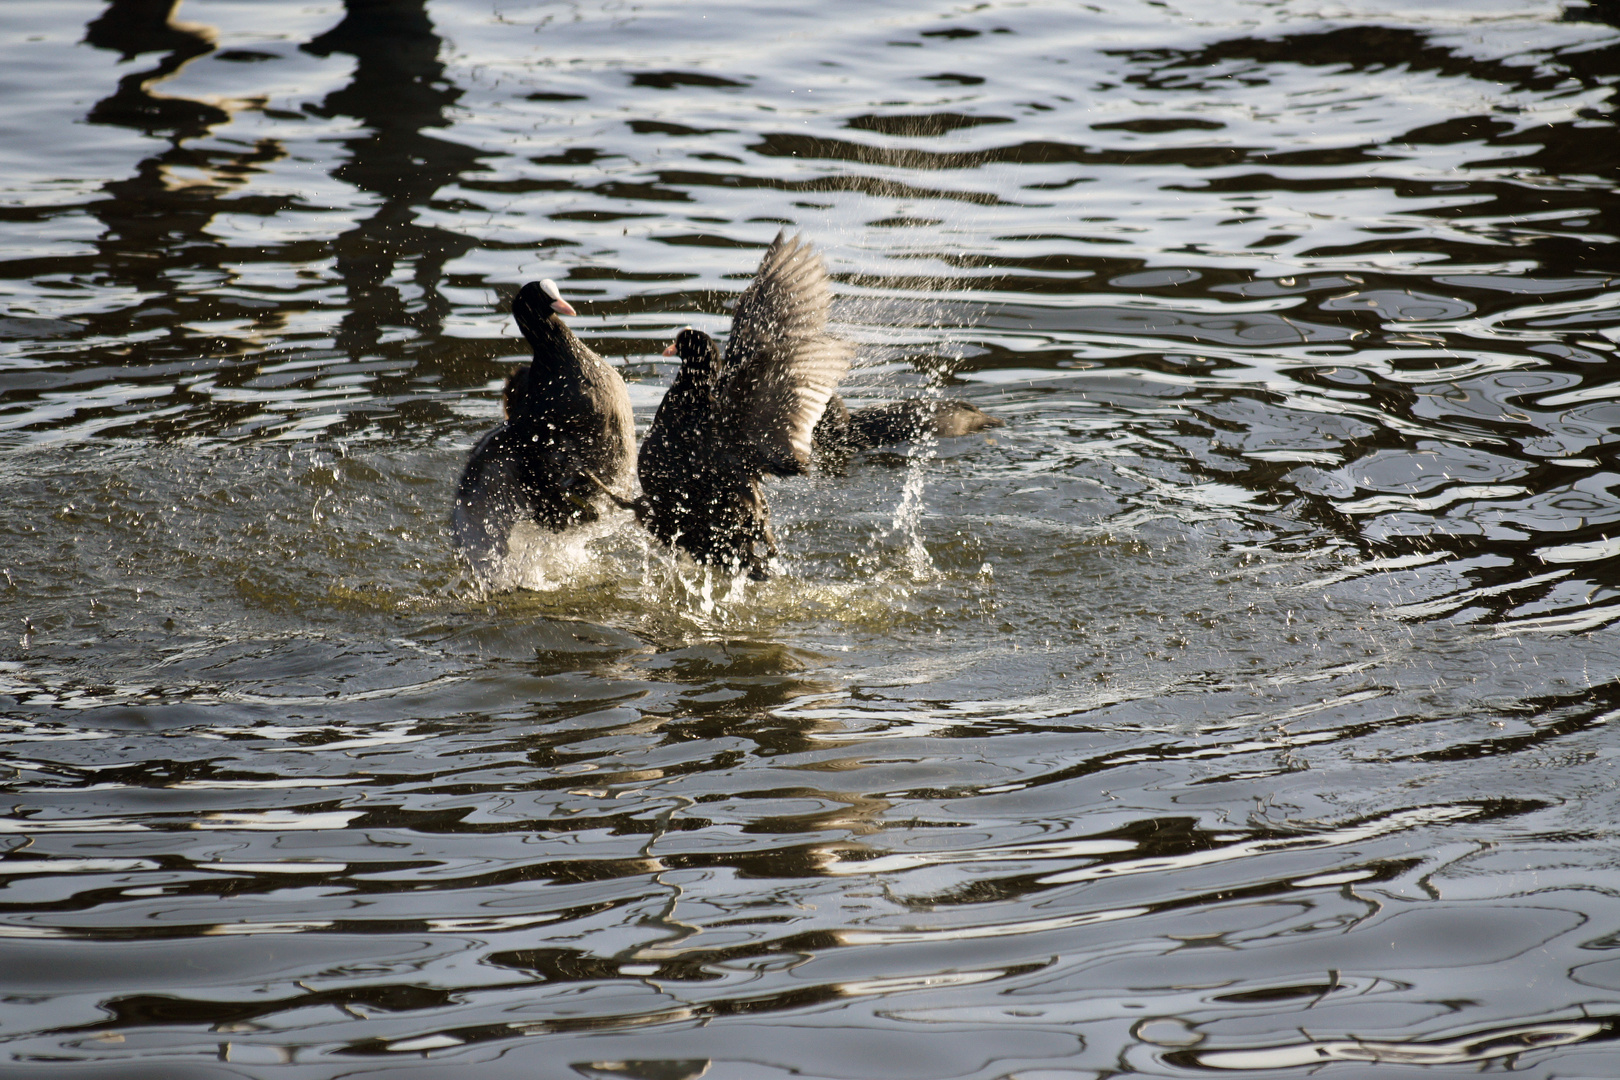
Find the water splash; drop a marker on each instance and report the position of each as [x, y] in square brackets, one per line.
[545, 560]
[907, 522]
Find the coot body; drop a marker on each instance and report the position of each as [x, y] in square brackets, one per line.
[843, 432]
[568, 419]
[726, 423]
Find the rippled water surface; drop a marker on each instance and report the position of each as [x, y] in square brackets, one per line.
[1241, 707]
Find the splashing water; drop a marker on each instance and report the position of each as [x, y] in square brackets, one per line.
[908, 514]
[543, 560]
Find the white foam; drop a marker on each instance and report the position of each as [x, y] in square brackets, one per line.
[544, 560]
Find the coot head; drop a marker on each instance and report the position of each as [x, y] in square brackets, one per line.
[700, 356]
[536, 307]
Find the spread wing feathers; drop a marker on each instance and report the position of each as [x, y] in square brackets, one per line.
[781, 367]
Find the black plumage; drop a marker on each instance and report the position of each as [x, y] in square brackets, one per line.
[843, 432]
[725, 424]
[568, 425]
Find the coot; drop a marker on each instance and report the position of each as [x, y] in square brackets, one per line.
[724, 424]
[843, 432]
[568, 425]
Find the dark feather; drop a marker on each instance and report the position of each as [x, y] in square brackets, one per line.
[781, 366]
[843, 432]
[722, 426]
[568, 418]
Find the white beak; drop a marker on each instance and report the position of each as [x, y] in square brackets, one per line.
[558, 304]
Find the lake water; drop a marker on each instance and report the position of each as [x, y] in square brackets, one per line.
[1241, 707]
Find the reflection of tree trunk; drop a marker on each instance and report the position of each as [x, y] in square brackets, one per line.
[132, 27]
[155, 225]
[157, 239]
[149, 217]
[397, 90]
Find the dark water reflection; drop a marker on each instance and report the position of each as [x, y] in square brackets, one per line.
[1241, 707]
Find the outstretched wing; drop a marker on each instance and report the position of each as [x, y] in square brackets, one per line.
[781, 366]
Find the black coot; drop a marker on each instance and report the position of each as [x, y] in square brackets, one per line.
[724, 424]
[568, 424]
[843, 432]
